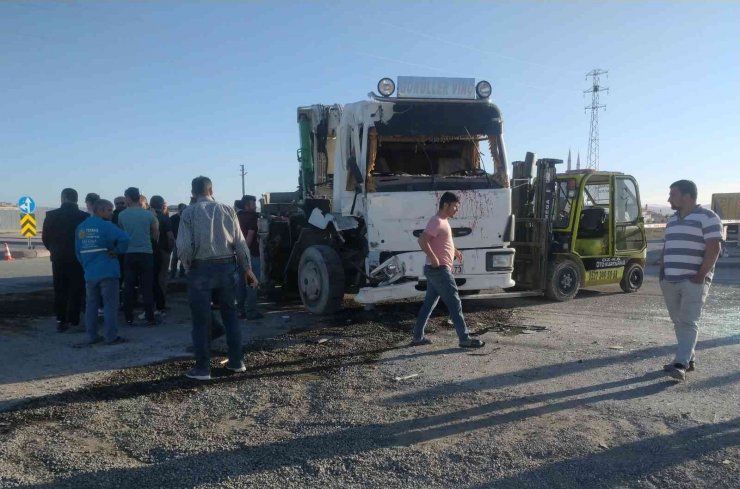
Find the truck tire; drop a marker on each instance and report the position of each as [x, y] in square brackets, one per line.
[321, 279]
[633, 276]
[563, 280]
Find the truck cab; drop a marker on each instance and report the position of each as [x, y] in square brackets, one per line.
[371, 175]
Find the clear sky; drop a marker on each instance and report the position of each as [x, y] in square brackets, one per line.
[100, 96]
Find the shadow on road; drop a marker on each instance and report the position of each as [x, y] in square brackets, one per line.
[554, 370]
[609, 467]
[625, 464]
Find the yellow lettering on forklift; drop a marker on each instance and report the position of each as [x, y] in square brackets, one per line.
[608, 275]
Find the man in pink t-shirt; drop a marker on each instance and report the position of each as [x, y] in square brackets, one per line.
[436, 243]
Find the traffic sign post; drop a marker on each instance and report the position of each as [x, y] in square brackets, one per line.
[27, 207]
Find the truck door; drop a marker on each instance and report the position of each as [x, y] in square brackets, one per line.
[629, 232]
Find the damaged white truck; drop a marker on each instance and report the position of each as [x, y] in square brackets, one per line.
[370, 176]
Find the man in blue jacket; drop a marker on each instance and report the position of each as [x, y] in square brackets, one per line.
[98, 242]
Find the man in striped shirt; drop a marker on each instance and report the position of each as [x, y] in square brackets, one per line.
[692, 245]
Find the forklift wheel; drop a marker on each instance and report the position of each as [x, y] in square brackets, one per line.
[563, 281]
[632, 278]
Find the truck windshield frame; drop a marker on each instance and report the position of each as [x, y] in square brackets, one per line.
[406, 163]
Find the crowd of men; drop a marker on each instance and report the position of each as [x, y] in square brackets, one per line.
[216, 246]
[131, 247]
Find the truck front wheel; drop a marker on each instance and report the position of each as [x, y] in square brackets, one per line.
[563, 281]
[321, 279]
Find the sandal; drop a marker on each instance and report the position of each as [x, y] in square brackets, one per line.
[472, 343]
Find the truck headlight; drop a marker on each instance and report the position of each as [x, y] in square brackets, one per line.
[386, 87]
[389, 271]
[499, 261]
[483, 89]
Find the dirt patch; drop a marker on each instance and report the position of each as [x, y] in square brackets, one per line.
[16, 309]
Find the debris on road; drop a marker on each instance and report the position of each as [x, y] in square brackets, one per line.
[405, 377]
[507, 329]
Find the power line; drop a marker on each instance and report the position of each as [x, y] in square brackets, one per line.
[592, 160]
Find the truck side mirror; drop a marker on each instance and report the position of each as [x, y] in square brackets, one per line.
[354, 169]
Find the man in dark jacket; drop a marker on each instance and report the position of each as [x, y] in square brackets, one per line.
[58, 235]
[161, 250]
[248, 218]
[175, 224]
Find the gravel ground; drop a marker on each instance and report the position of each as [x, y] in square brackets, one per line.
[563, 395]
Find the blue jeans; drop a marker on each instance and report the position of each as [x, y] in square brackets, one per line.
[247, 296]
[107, 288]
[203, 278]
[441, 283]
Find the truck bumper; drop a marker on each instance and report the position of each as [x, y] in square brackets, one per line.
[410, 290]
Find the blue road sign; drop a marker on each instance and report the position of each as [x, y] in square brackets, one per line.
[26, 205]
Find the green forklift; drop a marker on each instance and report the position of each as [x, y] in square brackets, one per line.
[576, 229]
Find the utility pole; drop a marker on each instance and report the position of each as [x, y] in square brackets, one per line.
[593, 140]
[242, 173]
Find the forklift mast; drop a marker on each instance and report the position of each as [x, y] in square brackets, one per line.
[532, 202]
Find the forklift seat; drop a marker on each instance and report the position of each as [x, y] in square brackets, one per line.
[592, 223]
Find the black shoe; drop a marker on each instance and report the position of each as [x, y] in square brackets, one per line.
[62, 327]
[472, 343]
[98, 339]
[669, 366]
[677, 371]
[198, 374]
[154, 322]
[421, 342]
[254, 315]
[236, 368]
[242, 315]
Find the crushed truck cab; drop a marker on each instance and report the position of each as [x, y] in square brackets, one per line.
[370, 177]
